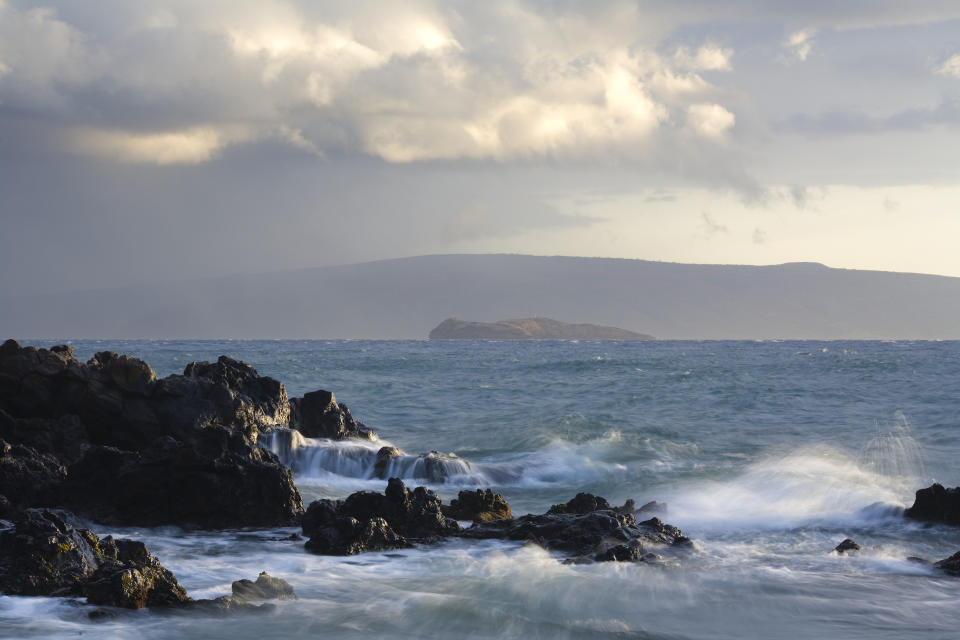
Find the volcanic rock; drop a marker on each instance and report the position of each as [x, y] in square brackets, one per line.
[318, 415]
[936, 504]
[479, 506]
[847, 545]
[369, 521]
[266, 587]
[46, 552]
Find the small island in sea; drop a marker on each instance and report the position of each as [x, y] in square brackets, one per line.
[529, 329]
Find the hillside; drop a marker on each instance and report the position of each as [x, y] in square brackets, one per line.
[404, 298]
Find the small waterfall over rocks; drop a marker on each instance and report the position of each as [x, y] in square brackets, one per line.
[367, 460]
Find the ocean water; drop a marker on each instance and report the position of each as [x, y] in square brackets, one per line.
[768, 454]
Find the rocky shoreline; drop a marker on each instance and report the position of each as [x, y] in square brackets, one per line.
[108, 442]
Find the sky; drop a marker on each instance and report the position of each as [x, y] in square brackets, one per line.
[170, 140]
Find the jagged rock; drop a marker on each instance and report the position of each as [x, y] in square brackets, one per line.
[587, 502]
[318, 415]
[847, 545]
[602, 534]
[950, 565]
[478, 506]
[367, 521]
[936, 504]
[28, 476]
[46, 552]
[266, 587]
[651, 508]
[108, 440]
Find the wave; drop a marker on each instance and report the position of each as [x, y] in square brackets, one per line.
[560, 463]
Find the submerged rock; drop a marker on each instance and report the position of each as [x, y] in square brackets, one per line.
[47, 552]
[950, 565]
[266, 587]
[936, 504]
[369, 521]
[479, 506]
[847, 545]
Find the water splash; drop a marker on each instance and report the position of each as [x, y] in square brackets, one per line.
[894, 453]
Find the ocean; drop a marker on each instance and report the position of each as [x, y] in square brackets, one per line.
[767, 454]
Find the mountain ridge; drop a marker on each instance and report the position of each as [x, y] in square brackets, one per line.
[402, 298]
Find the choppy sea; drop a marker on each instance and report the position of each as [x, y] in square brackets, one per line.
[767, 454]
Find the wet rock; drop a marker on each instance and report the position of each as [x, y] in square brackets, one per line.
[936, 504]
[381, 469]
[847, 545]
[602, 534]
[229, 606]
[47, 552]
[581, 503]
[950, 565]
[368, 521]
[478, 506]
[318, 415]
[265, 587]
[108, 440]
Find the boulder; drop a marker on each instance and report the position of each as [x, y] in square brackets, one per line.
[385, 456]
[265, 587]
[478, 506]
[318, 415]
[847, 545]
[47, 552]
[368, 521]
[602, 534]
[936, 504]
[950, 565]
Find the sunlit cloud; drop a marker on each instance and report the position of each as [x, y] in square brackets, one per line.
[799, 43]
[950, 66]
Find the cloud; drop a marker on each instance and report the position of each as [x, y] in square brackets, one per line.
[759, 236]
[710, 120]
[706, 58]
[950, 66]
[414, 82]
[710, 226]
[891, 205]
[799, 43]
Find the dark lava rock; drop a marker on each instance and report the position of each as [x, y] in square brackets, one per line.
[587, 502]
[107, 439]
[652, 508]
[603, 534]
[266, 587]
[48, 553]
[369, 521]
[479, 506]
[936, 504]
[318, 415]
[950, 565]
[847, 545]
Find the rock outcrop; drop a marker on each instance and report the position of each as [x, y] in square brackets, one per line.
[108, 440]
[318, 415]
[587, 528]
[47, 552]
[950, 565]
[369, 521]
[478, 506]
[936, 504]
[529, 329]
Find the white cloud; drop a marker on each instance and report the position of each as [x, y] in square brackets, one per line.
[799, 43]
[408, 83]
[950, 66]
[706, 58]
[710, 120]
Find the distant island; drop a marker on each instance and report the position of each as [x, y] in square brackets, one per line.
[529, 329]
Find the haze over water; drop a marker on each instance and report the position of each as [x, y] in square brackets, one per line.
[768, 454]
